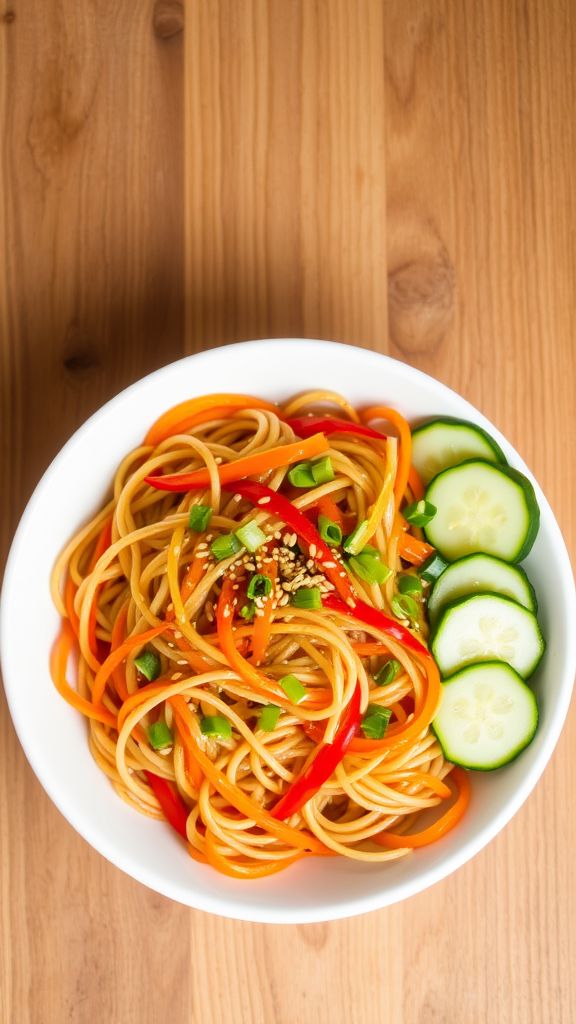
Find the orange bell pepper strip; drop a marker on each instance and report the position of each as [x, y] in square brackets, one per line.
[453, 815]
[181, 416]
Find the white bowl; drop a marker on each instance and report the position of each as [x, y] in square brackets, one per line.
[54, 736]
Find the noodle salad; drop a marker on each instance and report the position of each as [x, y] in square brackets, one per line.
[247, 617]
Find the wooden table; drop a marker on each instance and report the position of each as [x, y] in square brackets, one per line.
[396, 174]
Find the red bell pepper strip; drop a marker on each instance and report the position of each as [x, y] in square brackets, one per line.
[270, 501]
[173, 807]
[305, 426]
[328, 756]
[374, 617]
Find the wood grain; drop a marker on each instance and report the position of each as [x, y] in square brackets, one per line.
[398, 175]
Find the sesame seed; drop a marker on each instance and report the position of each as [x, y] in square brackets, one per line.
[177, 675]
[182, 661]
[312, 550]
[329, 565]
[218, 460]
[177, 634]
[277, 535]
[238, 497]
[263, 501]
[235, 586]
[310, 563]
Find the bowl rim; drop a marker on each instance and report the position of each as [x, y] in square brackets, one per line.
[259, 912]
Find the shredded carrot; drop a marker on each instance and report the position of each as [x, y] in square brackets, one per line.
[192, 578]
[174, 420]
[415, 484]
[263, 621]
[444, 824]
[328, 507]
[413, 550]
[117, 656]
[59, 656]
[245, 868]
[397, 737]
[370, 648]
[383, 412]
[250, 465]
[181, 719]
[224, 616]
[238, 799]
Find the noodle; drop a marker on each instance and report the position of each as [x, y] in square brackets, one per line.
[183, 741]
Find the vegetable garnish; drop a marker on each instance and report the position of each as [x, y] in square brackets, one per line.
[259, 586]
[404, 607]
[251, 536]
[307, 597]
[329, 531]
[160, 735]
[369, 569]
[388, 672]
[199, 517]
[217, 726]
[293, 688]
[375, 721]
[268, 717]
[419, 513]
[148, 664]
[250, 465]
[409, 584]
[224, 546]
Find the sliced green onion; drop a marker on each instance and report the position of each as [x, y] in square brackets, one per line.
[148, 663]
[200, 516]
[247, 611]
[225, 546]
[216, 725]
[432, 568]
[404, 606]
[409, 584]
[293, 688]
[369, 551]
[354, 542]
[322, 470]
[301, 475]
[329, 531]
[375, 721]
[307, 597]
[259, 586]
[419, 513]
[387, 672]
[369, 568]
[160, 736]
[251, 536]
[268, 718]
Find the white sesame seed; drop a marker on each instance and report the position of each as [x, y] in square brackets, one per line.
[218, 460]
[312, 550]
[329, 565]
[177, 634]
[177, 675]
[263, 501]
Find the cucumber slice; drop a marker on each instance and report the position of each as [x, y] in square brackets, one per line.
[487, 716]
[445, 442]
[482, 507]
[487, 627]
[480, 573]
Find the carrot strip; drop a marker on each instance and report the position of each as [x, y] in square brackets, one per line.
[58, 663]
[178, 415]
[444, 824]
[180, 708]
[415, 484]
[395, 738]
[370, 648]
[245, 869]
[263, 621]
[328, 507]
[224, 617]
[238, 799]
[382, 412]
[250, 465]
[117, 656]
[413, 550]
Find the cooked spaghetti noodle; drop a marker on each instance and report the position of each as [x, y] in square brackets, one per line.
[246, 674]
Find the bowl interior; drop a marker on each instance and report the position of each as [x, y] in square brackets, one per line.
[54, 736]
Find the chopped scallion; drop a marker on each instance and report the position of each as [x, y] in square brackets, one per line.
[369, 568]
[160, 736]
[301, 475]
[199, 518]
[387, 672]
[251, 536]
[419, 513]
[375, 721]
[247, 611]
[268, 718]
[354, 542]
[329, 531]
[432, 568]
[216, 725]
[224, 546]
[148, 664]
[259, 586]
[404, 606]
[307, 597]
[293, 688]
[322, 470]
[409, 584]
